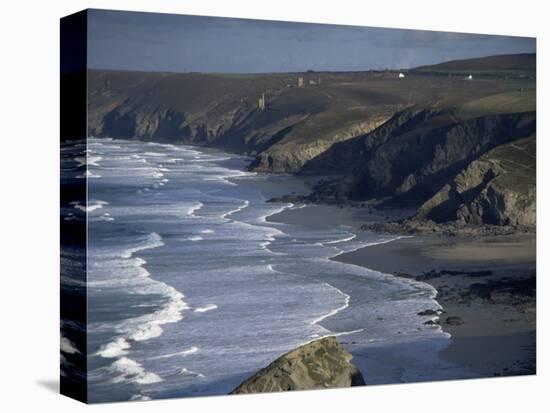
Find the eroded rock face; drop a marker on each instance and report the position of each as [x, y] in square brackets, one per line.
[291, 156]
[497, 189]
[296, 124]
[317, 365]
[412, 156]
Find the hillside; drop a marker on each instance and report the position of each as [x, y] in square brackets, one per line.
[525, 64]
[381, 138]
[298, 123]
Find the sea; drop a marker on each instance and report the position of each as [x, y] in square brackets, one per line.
[191, 289]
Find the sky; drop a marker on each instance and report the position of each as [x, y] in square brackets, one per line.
[180, 43]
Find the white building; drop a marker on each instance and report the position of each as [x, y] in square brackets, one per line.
[401, 75]
[470, 77]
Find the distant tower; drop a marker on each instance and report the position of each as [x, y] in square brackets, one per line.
[300, 82]
[261, 102]
[319, 80]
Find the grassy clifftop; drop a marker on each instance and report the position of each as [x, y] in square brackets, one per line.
[514, 64]
[381, 136]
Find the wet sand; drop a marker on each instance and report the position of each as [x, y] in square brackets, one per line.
[486, 286]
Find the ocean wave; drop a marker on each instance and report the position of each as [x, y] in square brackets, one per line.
[191, 350]
[131, 371]
[67, 346]
[133, 277]
[233, 211]
[139, 397]
[185, 372]
[336, 310]
[88, 160]
[194, 208]
[92, 205]
[206, 308]
[116, 348]
[338, 241]
[88, 174]
[152, 240]
[154, 154]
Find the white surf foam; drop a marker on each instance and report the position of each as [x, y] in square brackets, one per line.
[190, 211]
[336, 310]
[233, 211]
[88, 160]
[131, 371]
[191, 350]
[143, 327]
[206, 308]
[67, 346]
[116, 348]
[185, 372]
[92, 205]
[88, 174]
[139, 397]
[345, 239]
[153, 240]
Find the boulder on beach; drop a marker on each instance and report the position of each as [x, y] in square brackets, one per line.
[317, 365]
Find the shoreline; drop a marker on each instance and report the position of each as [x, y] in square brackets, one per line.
[493, 332]
[483, 285]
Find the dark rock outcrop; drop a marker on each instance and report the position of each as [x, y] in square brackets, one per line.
[499, 188]
[416, 153]
[317, 365]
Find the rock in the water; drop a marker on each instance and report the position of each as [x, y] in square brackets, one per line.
[454, 321]
[429, 312]
[317, 365]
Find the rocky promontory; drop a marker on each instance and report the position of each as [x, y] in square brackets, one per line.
[317, 365]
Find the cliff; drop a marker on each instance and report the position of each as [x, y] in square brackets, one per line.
[426, 141]
[499, 188]
[414, 154]
[316, 365]
[296, 126]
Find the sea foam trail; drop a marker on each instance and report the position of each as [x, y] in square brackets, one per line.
[67, 346]
[233, 211]
[206, 308]
[88, 174]
[92, 205]
[336, 310]
[131, 371]
[194, 208]
[143, 327]
[191, 350]
[338, 241]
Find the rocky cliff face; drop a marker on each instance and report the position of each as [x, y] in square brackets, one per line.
[415, 142]
[499, 188]
[296, 126]
[291, 156]
[413, 155]
[318, 365]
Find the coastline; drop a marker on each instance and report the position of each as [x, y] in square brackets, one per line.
[483, 285]
[492, 332]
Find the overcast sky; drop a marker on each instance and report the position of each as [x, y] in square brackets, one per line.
[178, 43]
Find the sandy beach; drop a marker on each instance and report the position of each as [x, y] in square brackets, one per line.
[486, 286]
